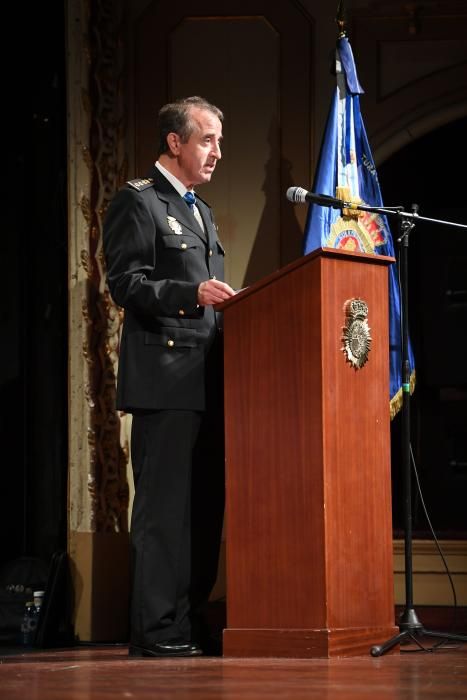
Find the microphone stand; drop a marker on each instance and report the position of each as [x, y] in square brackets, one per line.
[409, 624]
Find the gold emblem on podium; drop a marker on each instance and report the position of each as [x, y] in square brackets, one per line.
[356, 336]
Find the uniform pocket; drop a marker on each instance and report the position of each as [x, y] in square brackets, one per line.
[173, 338]
[180, 242]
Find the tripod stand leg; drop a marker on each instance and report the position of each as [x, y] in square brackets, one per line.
[380, 649]
[445, 635]
[415, 634]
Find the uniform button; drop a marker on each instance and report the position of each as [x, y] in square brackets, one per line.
[181, 312]
[170, 343]
[183, 246]
[210, 253]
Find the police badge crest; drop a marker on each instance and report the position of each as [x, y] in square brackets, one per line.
[175, 225]
[356, 333]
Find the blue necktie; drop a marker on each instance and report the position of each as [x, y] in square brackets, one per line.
[190, 199]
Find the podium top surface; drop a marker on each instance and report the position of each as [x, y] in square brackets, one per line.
[304, 260]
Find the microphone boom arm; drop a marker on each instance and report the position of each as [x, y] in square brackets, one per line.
[300, 195]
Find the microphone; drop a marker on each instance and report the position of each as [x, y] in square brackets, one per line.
[299, 196]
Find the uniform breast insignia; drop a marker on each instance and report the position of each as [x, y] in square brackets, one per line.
[356, 336]
[141, 184]
[174, 225]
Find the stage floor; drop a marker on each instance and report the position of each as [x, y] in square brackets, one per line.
[107, 673]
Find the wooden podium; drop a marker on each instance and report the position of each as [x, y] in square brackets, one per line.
[308, 511]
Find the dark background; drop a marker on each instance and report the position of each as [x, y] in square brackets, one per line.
[33, 288]
[427, 172]
[33, 306]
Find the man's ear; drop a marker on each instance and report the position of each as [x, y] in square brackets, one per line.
[173, 141]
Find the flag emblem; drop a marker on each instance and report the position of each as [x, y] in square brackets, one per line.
[363, 235]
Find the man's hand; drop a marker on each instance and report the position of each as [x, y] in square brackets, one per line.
[213, 292]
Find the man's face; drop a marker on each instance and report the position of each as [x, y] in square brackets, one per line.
[197, 157]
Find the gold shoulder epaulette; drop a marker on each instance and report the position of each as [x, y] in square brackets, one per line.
[141, 184]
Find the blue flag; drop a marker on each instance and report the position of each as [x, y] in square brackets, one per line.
[346, 170]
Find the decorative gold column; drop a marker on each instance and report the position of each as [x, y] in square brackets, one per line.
[98, 444]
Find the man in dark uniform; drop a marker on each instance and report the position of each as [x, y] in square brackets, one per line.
[165, 267]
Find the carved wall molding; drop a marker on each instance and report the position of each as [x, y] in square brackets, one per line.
[412, 59]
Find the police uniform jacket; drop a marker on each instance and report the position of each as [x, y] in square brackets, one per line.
[157, 255]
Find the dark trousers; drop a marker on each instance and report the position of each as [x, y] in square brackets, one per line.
[178, 468]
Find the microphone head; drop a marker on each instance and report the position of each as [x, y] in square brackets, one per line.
[297, 195]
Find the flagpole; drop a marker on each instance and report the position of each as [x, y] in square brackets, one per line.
[340, 19]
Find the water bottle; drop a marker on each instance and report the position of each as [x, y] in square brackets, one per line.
[38, 598]
[28, 625]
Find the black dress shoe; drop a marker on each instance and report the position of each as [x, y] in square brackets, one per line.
[169, 647]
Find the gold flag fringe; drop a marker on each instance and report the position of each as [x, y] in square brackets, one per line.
[395, 403]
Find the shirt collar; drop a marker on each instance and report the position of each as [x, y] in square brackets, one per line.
[174, 181]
